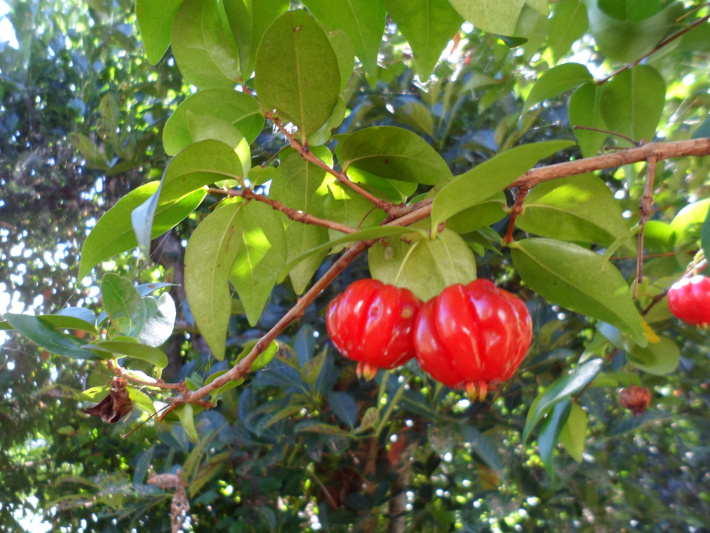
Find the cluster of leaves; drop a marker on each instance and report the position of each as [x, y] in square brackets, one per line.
[416, 161]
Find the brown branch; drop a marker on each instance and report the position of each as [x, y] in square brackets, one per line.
[515, 211]
[656, 48]
[340, 176]
[157, 384]
[293, 214]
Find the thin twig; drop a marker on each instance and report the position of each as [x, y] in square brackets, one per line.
[515, 211]
[293, 214]
[645, 205]
[608, 132]
[656, 48]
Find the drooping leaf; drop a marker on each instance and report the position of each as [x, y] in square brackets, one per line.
[556, 81]
[159, 327]
[568, 23]
[550, 432]
[209, 257]
[579, 208]
[658, 358]
[303, 186]
[394, 153]
[261, 257]
[486, 179]
[155, 22]
[633, 101]
[239, 109]
[585, 110]
[200, 47]
[574, 432]
[446, 260]
[561, 389]
[124, 305]
[500, 18]
[579, 280]
[248, 20]
[43, 334]
[114, 234]
[362, 20]
[428, 26]
[297, 72]
[132, 349]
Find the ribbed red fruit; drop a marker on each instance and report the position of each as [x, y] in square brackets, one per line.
[689, 300]
[472, 335]
[373, 324]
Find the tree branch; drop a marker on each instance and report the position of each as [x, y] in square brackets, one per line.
[293, 214]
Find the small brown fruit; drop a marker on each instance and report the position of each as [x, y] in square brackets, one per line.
[636, 399]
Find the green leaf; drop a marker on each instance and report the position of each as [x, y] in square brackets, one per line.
[206, 127]
[124, 306]
[624, 41]
[239, 109]
[322, 134]
[209, 257]
[568, 24]
[95, 157]
[703, 130]
[311, 369]
[550, 433]
[574, 433]
[200, 47]
[369, 419]
[350, 209]
[113, 233]
[428, 26]
[689, 222]
[64, 321]
[484, 214]
[224, 388]
[489, 178]
[344, 407]
[578, 208]
[263, 359]
[394, 153]
[705, 235]
[159, 327]
[561, 389]
[44, 335]
[132, 349]
[633, 102]
[658, 358]
[362, 20]
[556, 81]
[483, 447]
[584, 109]
[249, 20]
[297, 72]
[345, 54]
[155, 22]
[325, 429]
[187, 421]
[500, 18]
[416, 115]
[303, 186]
[446, 260]
[579, 280]
[261, 256]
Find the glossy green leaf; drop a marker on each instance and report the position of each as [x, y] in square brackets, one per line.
[346, 207]
[303, 186]
[579, 208]
[186, 415]
[394, 153]
[261, 257]
[248, 20]
[428, 26]
[322, 134]
[345, 54]
[263, 359]
[44, 335]
[484, 214]
[237, 108]
[416, 115]
[159, 327]
[446, 260]
[500, 18]
[201, 48]
[63, 321]
[344, 407]
[658, 358]
[155, 22]
[574, 432]
[568, 24]
[579, 280]
[560, 390]
[556, 81]
[325, 429]
[114, 234]
[550, 432]
[688, 223]
[585, 110]
[297, 72]
[209, 127]
[132, 349]
[209, 257]
[393, 191]
[362, 20]
[625, 41]
[633, 101]
[489, 178]
[124, 305]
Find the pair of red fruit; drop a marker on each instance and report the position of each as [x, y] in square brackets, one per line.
[468, 337]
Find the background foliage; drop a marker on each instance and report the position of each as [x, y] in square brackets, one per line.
[89, 119]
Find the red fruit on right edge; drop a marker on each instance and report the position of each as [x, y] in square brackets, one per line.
[472, 335]
[689, 300]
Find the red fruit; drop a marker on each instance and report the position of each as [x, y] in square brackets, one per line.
[472, 335]
[689, 300]
[373, 324]
[635, 398]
